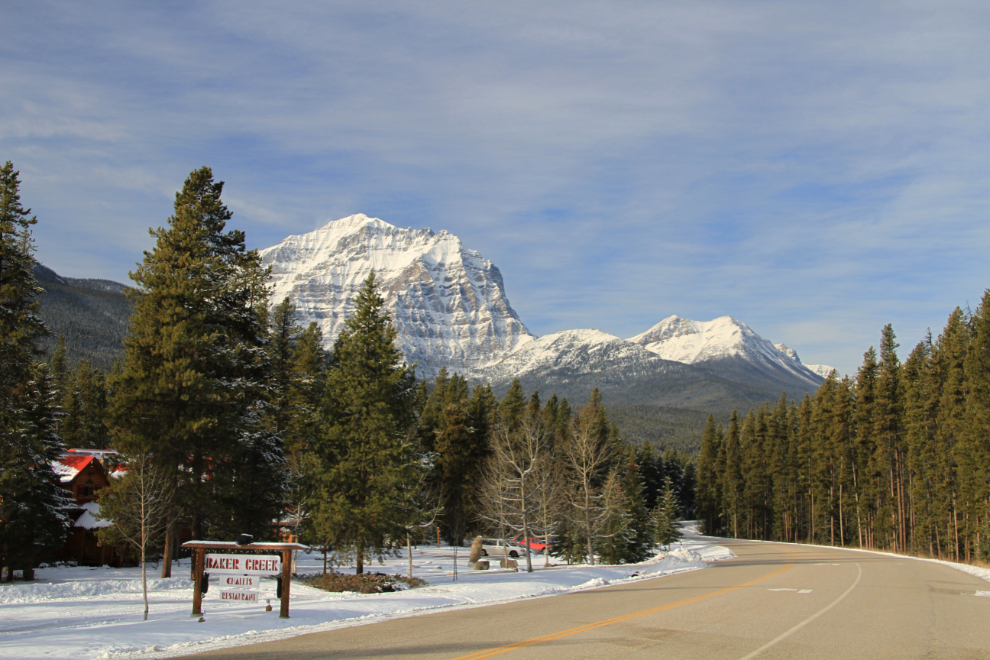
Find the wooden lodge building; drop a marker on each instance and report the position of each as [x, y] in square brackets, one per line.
[83, 473]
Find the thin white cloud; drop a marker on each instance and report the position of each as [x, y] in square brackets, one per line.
[784, 162]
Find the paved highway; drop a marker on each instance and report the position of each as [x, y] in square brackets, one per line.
[772, 601]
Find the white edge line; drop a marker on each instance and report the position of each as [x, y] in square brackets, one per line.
[811, 618]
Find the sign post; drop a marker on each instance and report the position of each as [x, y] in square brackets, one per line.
[239, 569]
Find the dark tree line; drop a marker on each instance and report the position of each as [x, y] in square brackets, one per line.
[897, 458]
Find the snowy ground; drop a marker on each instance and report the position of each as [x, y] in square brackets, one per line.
[84, 613]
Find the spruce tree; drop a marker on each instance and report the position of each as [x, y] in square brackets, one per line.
[512, 406]
[888, 460]
[733, 485]
[974, 454]
[640, 538]
[283, 334]
[84, 405]
[613, 530]
[367, 476]
[302, 427]
[665, 517]
[192, 389]
[32, 520]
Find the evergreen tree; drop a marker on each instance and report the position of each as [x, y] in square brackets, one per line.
[665, 518]
[888, 460]
[651, 468]
[512, 405]
[59, 367]
[84, 405]
[899, 460]
[367, 476]
[32, 520]
[283, 335]
[302, 427]
[192, 389]
[614, 532]
[20, 327]
[865, 476]
[640, 539]
[974, 450]
[732, 478]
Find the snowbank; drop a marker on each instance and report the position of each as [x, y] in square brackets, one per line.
[86, 613]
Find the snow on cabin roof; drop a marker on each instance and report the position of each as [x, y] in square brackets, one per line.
[88, 519]
[68, 467]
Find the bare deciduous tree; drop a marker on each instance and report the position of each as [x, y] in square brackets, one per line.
[518, 479]
[138, 505]
[586, 457]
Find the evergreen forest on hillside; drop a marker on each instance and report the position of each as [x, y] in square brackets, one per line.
[897, 458]
[90, 314]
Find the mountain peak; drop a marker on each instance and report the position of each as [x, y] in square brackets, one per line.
[722, 341]
[448, 302]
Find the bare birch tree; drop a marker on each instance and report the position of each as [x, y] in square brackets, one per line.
[519, 473]
[138, 505]
[586, 457]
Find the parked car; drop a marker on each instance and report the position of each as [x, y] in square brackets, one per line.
[496, 548]
[535, 544]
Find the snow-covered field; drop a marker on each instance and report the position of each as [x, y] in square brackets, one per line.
[84, 613]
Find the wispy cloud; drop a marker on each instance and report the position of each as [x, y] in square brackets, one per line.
[815, 169]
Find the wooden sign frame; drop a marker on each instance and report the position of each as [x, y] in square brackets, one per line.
[199, 549]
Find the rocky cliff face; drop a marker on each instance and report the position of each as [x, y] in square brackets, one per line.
[448, 302]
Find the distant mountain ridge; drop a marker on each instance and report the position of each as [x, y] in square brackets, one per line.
[92, 314]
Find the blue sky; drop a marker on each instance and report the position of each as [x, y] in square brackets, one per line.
[814, 169]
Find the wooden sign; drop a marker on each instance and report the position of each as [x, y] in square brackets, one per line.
[240, 596]
[244, 564]
[239, 582]
[253, 564]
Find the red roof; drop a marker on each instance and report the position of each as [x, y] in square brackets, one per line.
[76, 462]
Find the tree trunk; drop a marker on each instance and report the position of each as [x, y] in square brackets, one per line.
[144, 574]
[587, 521]
[167, 558]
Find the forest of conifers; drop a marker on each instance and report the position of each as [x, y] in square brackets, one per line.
[897, 458]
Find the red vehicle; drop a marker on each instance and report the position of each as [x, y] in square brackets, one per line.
[535, 544]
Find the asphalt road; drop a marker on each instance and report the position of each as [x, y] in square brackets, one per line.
[772, 601]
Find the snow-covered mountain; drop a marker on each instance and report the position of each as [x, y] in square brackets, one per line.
[449, 302]
[574, 352]
[822, 370]
[451, 310]
[729, 348]
[574, 362]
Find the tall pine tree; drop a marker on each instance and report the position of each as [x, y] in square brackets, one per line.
[366, 478]
[192, 389]
[32, 520]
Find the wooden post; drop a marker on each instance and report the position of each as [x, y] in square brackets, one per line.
[283, 612]
[199, 560]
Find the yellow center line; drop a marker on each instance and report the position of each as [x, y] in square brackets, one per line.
[608, 622]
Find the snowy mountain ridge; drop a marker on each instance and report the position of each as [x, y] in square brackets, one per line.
[719, 341]
[449, 302]
[450, 310]
[581, 351]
